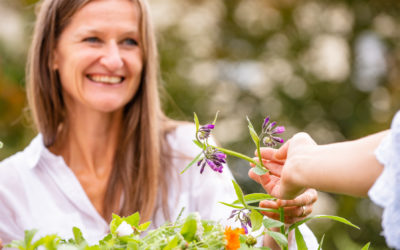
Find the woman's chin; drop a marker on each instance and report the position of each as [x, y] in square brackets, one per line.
[107, 105]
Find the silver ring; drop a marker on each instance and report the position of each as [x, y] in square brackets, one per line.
[304, 211]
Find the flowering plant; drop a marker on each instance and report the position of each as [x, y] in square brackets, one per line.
[244, 209]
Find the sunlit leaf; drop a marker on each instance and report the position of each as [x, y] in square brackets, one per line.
[253, 133]
[196, 159]
[258, 170]
[321, 242]
[301, 244]
[256, 220]
[255, 197]
[216, 116]
[279, 238]
[196, 121]
[78, 237]
[189, 228]
[332, 217]
[239, 193]
[366, 247]
[271, 223]
[172, 244]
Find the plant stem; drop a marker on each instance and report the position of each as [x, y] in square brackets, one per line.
[236, 154]
[259, 156]
[282, 219]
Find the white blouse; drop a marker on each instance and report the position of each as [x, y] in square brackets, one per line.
[39, 191]
[386, 190]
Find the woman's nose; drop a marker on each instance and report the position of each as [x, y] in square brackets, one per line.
[112, 59]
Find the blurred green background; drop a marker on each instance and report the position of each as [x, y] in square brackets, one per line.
[325, 67]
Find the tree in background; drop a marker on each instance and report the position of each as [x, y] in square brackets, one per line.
[329, 68]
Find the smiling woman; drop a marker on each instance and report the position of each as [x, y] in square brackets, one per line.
[105, 56]
[104, 145]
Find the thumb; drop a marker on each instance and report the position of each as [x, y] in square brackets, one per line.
[281, 153]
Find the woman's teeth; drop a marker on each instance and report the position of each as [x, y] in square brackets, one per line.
[106, 79]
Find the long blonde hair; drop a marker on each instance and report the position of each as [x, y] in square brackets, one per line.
[142, 145]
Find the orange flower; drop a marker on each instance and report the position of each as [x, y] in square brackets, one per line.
[232, 238]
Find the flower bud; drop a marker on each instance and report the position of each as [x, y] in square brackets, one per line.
[124, 229]
[251, 240]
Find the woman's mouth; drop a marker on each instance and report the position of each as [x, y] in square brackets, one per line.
[106, 79]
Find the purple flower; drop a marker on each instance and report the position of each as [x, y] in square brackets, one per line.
[266, 120]
[270, 132]
[212, 158]
[242, 215]
[205, 131]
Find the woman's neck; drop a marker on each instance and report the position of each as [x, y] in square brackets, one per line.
[88, 143]
[88, 140]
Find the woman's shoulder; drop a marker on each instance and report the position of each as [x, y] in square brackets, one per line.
[24, 159]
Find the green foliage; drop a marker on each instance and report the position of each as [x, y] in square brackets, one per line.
[191, 233]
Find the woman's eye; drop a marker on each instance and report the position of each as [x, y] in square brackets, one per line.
[130, 42]
[92, 40]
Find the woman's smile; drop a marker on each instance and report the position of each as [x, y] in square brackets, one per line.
[106, 79]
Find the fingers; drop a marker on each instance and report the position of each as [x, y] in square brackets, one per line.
[310, 196]
[294, 210]
[1, 244]
[291, 214]
[281, 153]
[269, 155]
[275, 168]
[270, 183]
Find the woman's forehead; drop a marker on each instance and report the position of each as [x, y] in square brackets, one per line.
[103, 13]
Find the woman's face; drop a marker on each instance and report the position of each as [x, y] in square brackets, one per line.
[98, 55]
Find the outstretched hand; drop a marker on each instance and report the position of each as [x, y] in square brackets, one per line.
[297, 200]
[279, 181]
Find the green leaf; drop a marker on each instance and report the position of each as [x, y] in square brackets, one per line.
[321, 242]
[231, 205]
[115, 222]
[199, 144]
[189, 228]
[196, 121]
[258, 170]
[133, 219]
[172, 243]
[256, 220]
[29, 234]
[78, 237]
[239, 193]
[255, 197]
[26, 243]
[264, 209]
[50, 242]
[215, 119]
[253, 133]
[366, 247]
[301, 244]
[270, 223]
[144, 226]
[196, 159]
[250, 207]
[279, 238]
[132, 246]
[332, 217]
